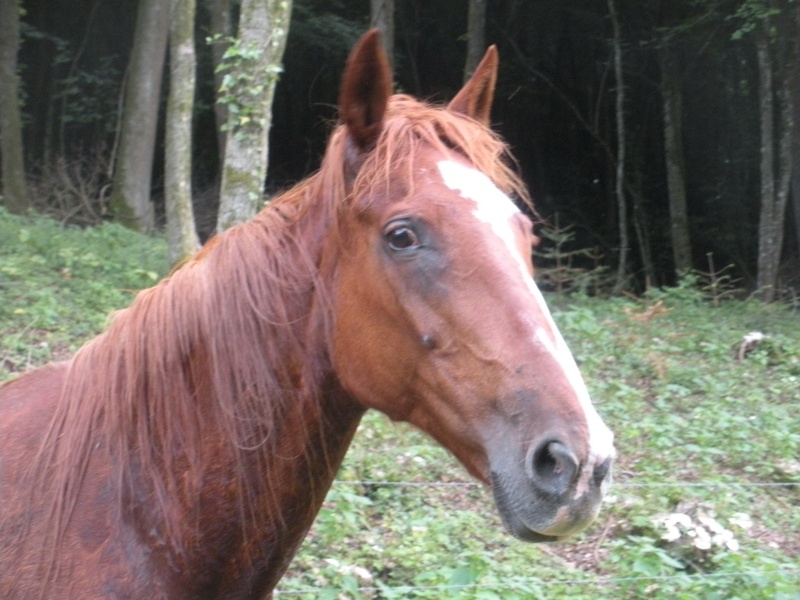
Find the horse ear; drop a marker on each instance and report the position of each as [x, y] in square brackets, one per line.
[475, 98]
[366, 87]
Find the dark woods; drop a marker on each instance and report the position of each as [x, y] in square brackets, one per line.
[702, 132]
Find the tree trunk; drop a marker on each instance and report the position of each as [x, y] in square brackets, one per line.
[12, 175]
[641, 227]
[672, 98]
[251, 72]
[220, 11]
[622, 209]
[766, 239]
[130, 198]
[382, 16]
[774, 187]
[182, 236]
[796, 134]
[476, 36]
[786, 128]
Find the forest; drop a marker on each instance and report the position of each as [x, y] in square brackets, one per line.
[657, 137]
[659, 142]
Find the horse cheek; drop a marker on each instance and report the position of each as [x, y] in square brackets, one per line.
[372, 356]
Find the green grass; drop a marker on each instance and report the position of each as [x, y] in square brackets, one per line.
[59, 284]
[693, 424]
[700, 434]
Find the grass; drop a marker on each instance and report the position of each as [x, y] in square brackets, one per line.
[706, 442]
[59, 284]
[709, 445]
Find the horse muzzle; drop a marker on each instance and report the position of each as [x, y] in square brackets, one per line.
[553, 496]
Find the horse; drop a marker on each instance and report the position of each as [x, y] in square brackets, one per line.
[185, 451]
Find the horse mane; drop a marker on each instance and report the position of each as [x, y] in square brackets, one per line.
[236, 321]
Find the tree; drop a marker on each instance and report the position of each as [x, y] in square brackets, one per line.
[130, 198]
[183, 241]
[251, 69]
[796, 137]
[672, 102]
[619, 185]
[476, 36]
[220, 12]
[382, 16]
[12, 176]
[775, 176]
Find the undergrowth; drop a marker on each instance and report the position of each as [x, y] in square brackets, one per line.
[706, 502]
[59, 284]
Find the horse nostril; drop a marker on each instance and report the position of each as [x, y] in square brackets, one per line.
[553, 468]
[601, 471]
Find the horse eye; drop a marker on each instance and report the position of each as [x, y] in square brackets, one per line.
[402, 238]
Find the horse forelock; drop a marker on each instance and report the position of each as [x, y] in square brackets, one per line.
[411, 126]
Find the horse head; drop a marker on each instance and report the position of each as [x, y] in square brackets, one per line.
[436, 317]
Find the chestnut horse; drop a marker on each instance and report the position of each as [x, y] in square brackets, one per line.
[185, 452]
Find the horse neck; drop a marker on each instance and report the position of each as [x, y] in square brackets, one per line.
[289, 460]
[263, 523]
[311, 421]
[217, 404]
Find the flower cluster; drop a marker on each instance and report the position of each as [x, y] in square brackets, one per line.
[360, 572]
[704, 531]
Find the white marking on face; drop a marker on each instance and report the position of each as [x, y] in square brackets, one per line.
[498, 211]
[494, 207]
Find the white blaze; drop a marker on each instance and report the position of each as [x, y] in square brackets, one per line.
[497, 210]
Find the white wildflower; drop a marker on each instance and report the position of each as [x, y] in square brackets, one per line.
[710, 523]
[674, 523]
[741, 520]
[359, 572]
[702, 541]
[704, 532]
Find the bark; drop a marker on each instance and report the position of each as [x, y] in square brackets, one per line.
[12, 175]
[619, 186]
[263, 28]
[796, 197]
[766, 239]
[796, 135]
[220, 11]
[476, 36]
[641, 227]
[181, 234]
[382, 16]
[672, 99]
[774, 182]
[130, 199]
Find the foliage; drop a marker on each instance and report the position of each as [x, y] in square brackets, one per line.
[74, 191]
[692, 423]
[86, 96]
[58, 284]
[322, 30]
[749, 15]
[706, 499]
[555, 104]
[560, 268]
[718, 284]
[243, 86]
